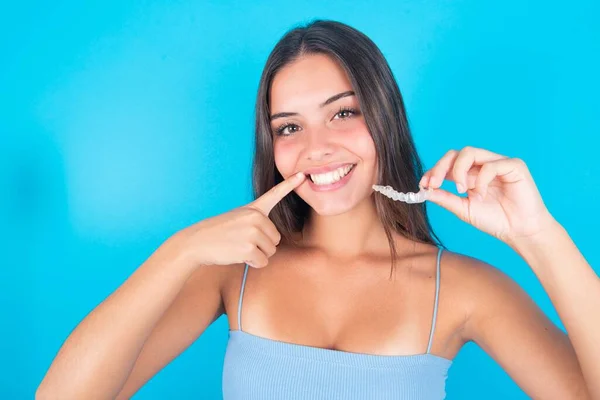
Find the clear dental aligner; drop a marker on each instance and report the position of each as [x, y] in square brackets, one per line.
[409, 197]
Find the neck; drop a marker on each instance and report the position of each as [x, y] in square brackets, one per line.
[346, 235]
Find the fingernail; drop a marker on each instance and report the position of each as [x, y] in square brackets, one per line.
[460, 188]
[299, 175]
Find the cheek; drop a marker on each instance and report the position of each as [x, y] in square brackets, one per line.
[285, 154]
[364, 147]
[361, 143]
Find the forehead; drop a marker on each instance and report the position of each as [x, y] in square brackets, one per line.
[307, 82]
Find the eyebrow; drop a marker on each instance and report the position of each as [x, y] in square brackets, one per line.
[328, 101]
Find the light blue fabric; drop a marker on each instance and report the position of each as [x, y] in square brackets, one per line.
[261, 368]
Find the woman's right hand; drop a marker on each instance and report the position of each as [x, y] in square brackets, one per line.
[243, 235]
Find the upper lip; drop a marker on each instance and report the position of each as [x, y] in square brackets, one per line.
[325, 168]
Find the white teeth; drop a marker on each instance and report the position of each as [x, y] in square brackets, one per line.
[332, 176]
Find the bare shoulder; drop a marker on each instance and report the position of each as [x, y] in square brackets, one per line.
[508, 325]
[212, 280]
[465, 286]
[489, 298]
[480, 288]
[477, 278]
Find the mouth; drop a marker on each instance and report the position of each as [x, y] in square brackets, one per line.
[331, 180]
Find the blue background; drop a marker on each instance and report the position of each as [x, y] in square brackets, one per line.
[123, 122]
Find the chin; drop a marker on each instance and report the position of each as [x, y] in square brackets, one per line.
[331, 210]
[331, 207]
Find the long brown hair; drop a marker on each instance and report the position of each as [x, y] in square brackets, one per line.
[383, 108]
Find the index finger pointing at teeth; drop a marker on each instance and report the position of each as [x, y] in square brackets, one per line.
[267, 201]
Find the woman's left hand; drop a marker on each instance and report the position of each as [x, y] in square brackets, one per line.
[510, 207]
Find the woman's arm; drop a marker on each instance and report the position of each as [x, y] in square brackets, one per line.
[198, 304]
[505, 322]
[574, 289]
[503, 201]
[100, 354]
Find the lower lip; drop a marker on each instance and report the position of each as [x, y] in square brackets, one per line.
[331, 186]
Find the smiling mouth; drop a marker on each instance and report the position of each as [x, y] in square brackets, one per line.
[331, 177]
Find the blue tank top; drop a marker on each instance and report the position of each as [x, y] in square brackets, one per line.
[262, 369]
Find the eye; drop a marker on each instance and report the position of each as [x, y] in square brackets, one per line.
[279, 131]
[343, 113]
[346, 112]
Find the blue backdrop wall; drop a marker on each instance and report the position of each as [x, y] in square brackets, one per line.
[122, 122]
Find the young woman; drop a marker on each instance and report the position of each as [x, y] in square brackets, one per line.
[331, 289]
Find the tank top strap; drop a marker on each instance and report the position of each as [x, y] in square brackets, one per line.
[437, 295]
[239, 313]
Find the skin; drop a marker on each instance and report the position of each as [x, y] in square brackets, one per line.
[341, 271]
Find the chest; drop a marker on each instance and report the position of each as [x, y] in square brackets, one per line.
[355, 306]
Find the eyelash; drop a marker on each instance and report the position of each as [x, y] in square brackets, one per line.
[281, 128]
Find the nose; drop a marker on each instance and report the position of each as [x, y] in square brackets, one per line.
[318, 146]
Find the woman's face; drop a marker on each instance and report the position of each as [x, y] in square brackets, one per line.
[327, 139]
